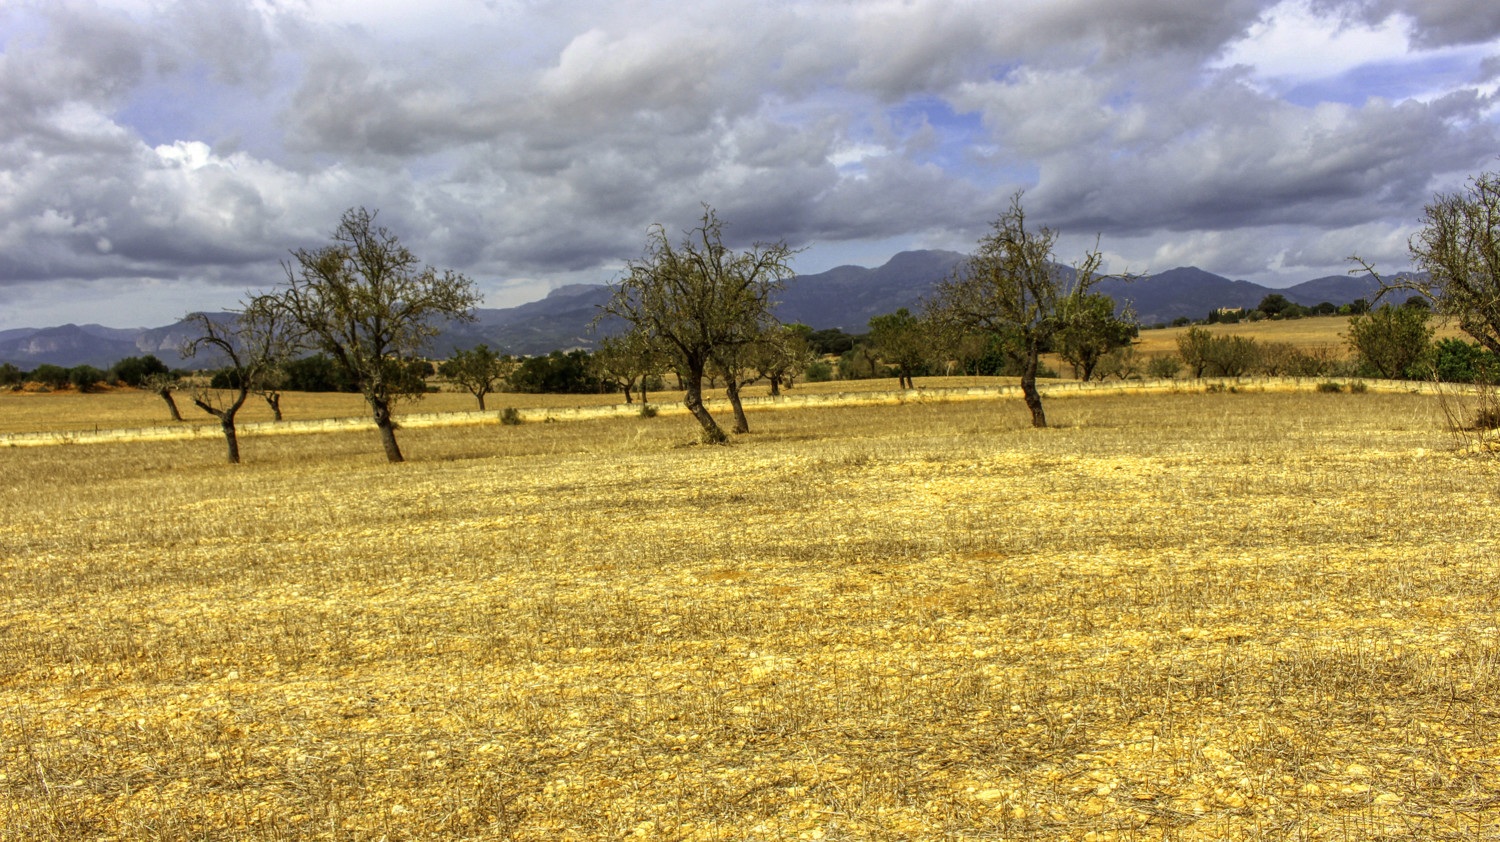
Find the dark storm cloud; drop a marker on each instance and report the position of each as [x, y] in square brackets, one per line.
[518, 142]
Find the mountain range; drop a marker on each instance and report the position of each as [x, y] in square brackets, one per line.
[844, 297]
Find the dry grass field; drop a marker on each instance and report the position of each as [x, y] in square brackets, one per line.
[1181, 616]
[1309, 333]
[125, 408]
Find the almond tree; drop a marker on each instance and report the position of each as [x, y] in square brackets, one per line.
[478, 371]
[698, 297]
[902, 341]
[1012, 286]
[781, 354]
[367, 303]
[1458, 253]
[250, 346]
[163, 384]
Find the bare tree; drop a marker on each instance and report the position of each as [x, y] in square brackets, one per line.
[367, 303]
[698, 297]
[478, 371]
[163, 384]
[1012, 286]
[626, 358]
[781, 353]
[1458, 253]
[252, 344]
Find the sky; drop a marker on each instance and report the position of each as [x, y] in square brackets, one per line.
[164, 156]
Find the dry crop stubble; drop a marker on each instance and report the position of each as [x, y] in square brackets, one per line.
[1184, 616]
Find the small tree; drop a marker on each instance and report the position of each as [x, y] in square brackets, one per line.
[250, 346]
[1232, 356]
[627, 358]
[51, 376]
[782, 352]
[1012, 285]
[902, 342]
[1164, 367]
[1391, 339]
[132, 371]
[367, 303]
[1458, 251]
[1090, 332]
[163, 384]
[1193, 346]
[1275, 304]
[1122, 363]
[478, 371]
[85, 377]
[860, 362]
[11, 376]
[698, 297]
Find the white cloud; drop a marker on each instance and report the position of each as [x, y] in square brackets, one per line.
[528, 144]
[1294, 42]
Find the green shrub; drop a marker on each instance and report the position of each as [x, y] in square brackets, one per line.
[1164, 367]
[1330, 386]
[819, 372]
[510, 417]
[647, 411]
[85, 377]
[1359, 387]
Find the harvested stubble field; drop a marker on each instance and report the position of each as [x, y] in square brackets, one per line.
[1181, 616]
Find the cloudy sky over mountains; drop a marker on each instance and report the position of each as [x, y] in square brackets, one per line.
[158, 157]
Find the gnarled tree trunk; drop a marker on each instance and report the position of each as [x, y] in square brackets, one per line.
[1029, 390]
[693, 400]
[166, 395]
[732, 387]
[381, 408]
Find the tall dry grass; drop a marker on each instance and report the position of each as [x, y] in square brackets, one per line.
[1193, 616]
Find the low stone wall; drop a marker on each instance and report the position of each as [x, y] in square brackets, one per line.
[785, 401]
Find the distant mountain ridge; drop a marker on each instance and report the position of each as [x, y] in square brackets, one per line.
[845, 297]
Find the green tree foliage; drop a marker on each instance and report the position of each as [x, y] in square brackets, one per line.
[1012, 285]
[1164, 367]
[1090, 331]
[49, 375]
[830, 342]
[1457, 361]
[860, 362]
[85, 377]
[1276, 305]
[782, 352]
[629, 359]
[697, 297]
[1391, 339]
[1216, 355]
[369, 304]
[557, 373]
[11, 375]
[132, 371]
[478, 371]
[1458, 253]
[1193, 348]
[1122, 363]
[315, 373]
[1232, 356]
[903, 342]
